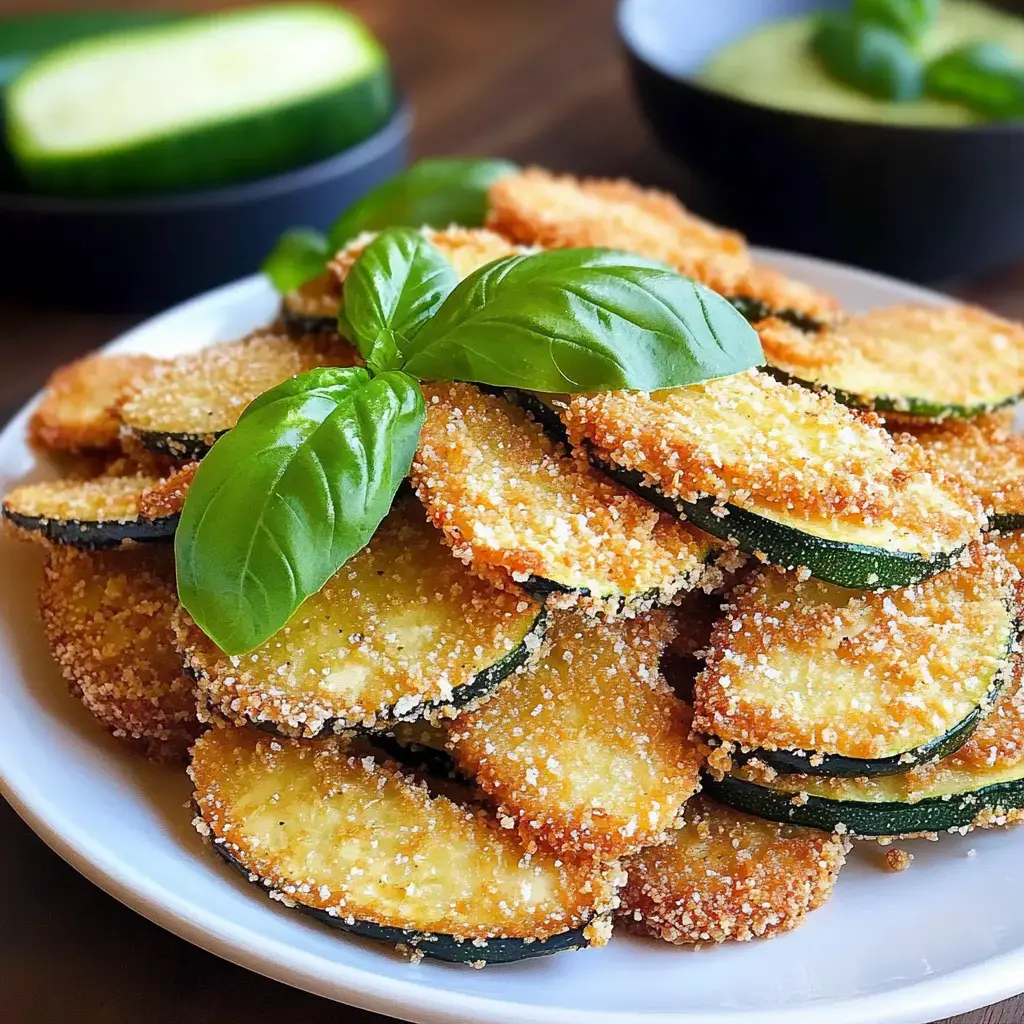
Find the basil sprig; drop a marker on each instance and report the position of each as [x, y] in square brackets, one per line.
[984, 76]
[910, 18]
[288, 495]
[298, 257]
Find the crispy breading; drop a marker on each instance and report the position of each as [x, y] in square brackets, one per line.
[508, 498]
[809, 666]
[167, 497]
[754, 442]
[77, 411]
[958, 355]
[1012, 545]
[558, 211]
[315, 299]
[780, 293]
[728, 876]
[355, 838]
[107, 618]
[589, 752]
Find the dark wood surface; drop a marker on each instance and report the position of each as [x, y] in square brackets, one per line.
[533, 80]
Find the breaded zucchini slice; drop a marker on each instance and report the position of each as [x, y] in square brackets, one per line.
[107, 618]
[167, 497]
[816, 679]
[558, 211]
[183, 405]
[784, 473]
[589, 752]
[980, 786]
[402, 630]
[1012, 546]
[761, 293]
[89, 512]
[77, 412]
[990, 459]
[313, 307]
[729, 876]
[362, 847]
[914, 360]
[516, 507]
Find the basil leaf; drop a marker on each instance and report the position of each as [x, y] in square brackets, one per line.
[582, 320]
[983, 76]
[298, 257]
[437, 192]
[288, 495]
[910, 18]
[394, 287]
[868, 57]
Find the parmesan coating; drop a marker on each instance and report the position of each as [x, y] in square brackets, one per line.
[590, 751]
[509, 499]
[781, 451]
[728, 876]
[167, 497]
[400, 631]
[77, 410]
[558, 211]
[107, 619]
[958, 356]
[810, 666]
[317, 299]
[982, 451]
[202, 394]
[1012, 545]
[779, 293]
[358, 840]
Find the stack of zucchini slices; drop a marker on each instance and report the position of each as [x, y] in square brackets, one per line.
[484, 739]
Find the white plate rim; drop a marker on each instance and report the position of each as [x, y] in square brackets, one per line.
[954, 992]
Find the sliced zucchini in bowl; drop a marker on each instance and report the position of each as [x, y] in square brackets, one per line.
[589, 752]
[520, 510]
[402, 631]
[980, 786]
[360, 846]
[182, 406]
[811, 678]
[93, 512]
[914, 361]
[784, 473]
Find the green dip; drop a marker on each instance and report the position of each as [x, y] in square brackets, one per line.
[774, 67]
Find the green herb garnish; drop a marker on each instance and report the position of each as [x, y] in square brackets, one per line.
[298, 257]
[910, 18]
[983, 76]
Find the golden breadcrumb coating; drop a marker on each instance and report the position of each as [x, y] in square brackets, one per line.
[508, 498]
[759, 444]
[728, 876]
[958, 355]
[810, 666]
[784, 294]
[107, 619]
[315, 299]
[1012, 545]
[558, 211]
[589, 752]
[77, 412]
[167, 498]
[357, 839]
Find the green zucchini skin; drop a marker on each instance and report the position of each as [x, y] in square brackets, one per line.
[754, 310]
[433, 944]
[1006, 522]
[300, 326]
[867, 820]
[855, 566]
[177, 446]
[94, 535]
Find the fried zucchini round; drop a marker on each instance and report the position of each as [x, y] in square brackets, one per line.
[762, 292]
[312, 308]
[729, 876]
[167, 497]
[516, 507]
[107, 618]
[589, 752]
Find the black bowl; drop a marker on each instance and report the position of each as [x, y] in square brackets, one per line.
[141, 255]
[923, 203]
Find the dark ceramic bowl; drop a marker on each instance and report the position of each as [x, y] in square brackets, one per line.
[140, 255]
[918, 202]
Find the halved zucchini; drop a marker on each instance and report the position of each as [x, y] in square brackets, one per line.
[917, 361]
[990, 459]
[823, 681]
[362, 847]
[107, 619]
[981, 785]
[313, 307]
[77, 412]
[728, 876]
[96, 512]
[516, 507]
[402, 630]
[783, 473]
[589, 752]
[182, 406]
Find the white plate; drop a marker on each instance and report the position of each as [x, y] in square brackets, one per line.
[946, 936]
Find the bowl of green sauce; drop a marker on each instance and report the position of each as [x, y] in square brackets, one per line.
[885, 133]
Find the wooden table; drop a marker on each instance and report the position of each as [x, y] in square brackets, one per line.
[533, 80]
